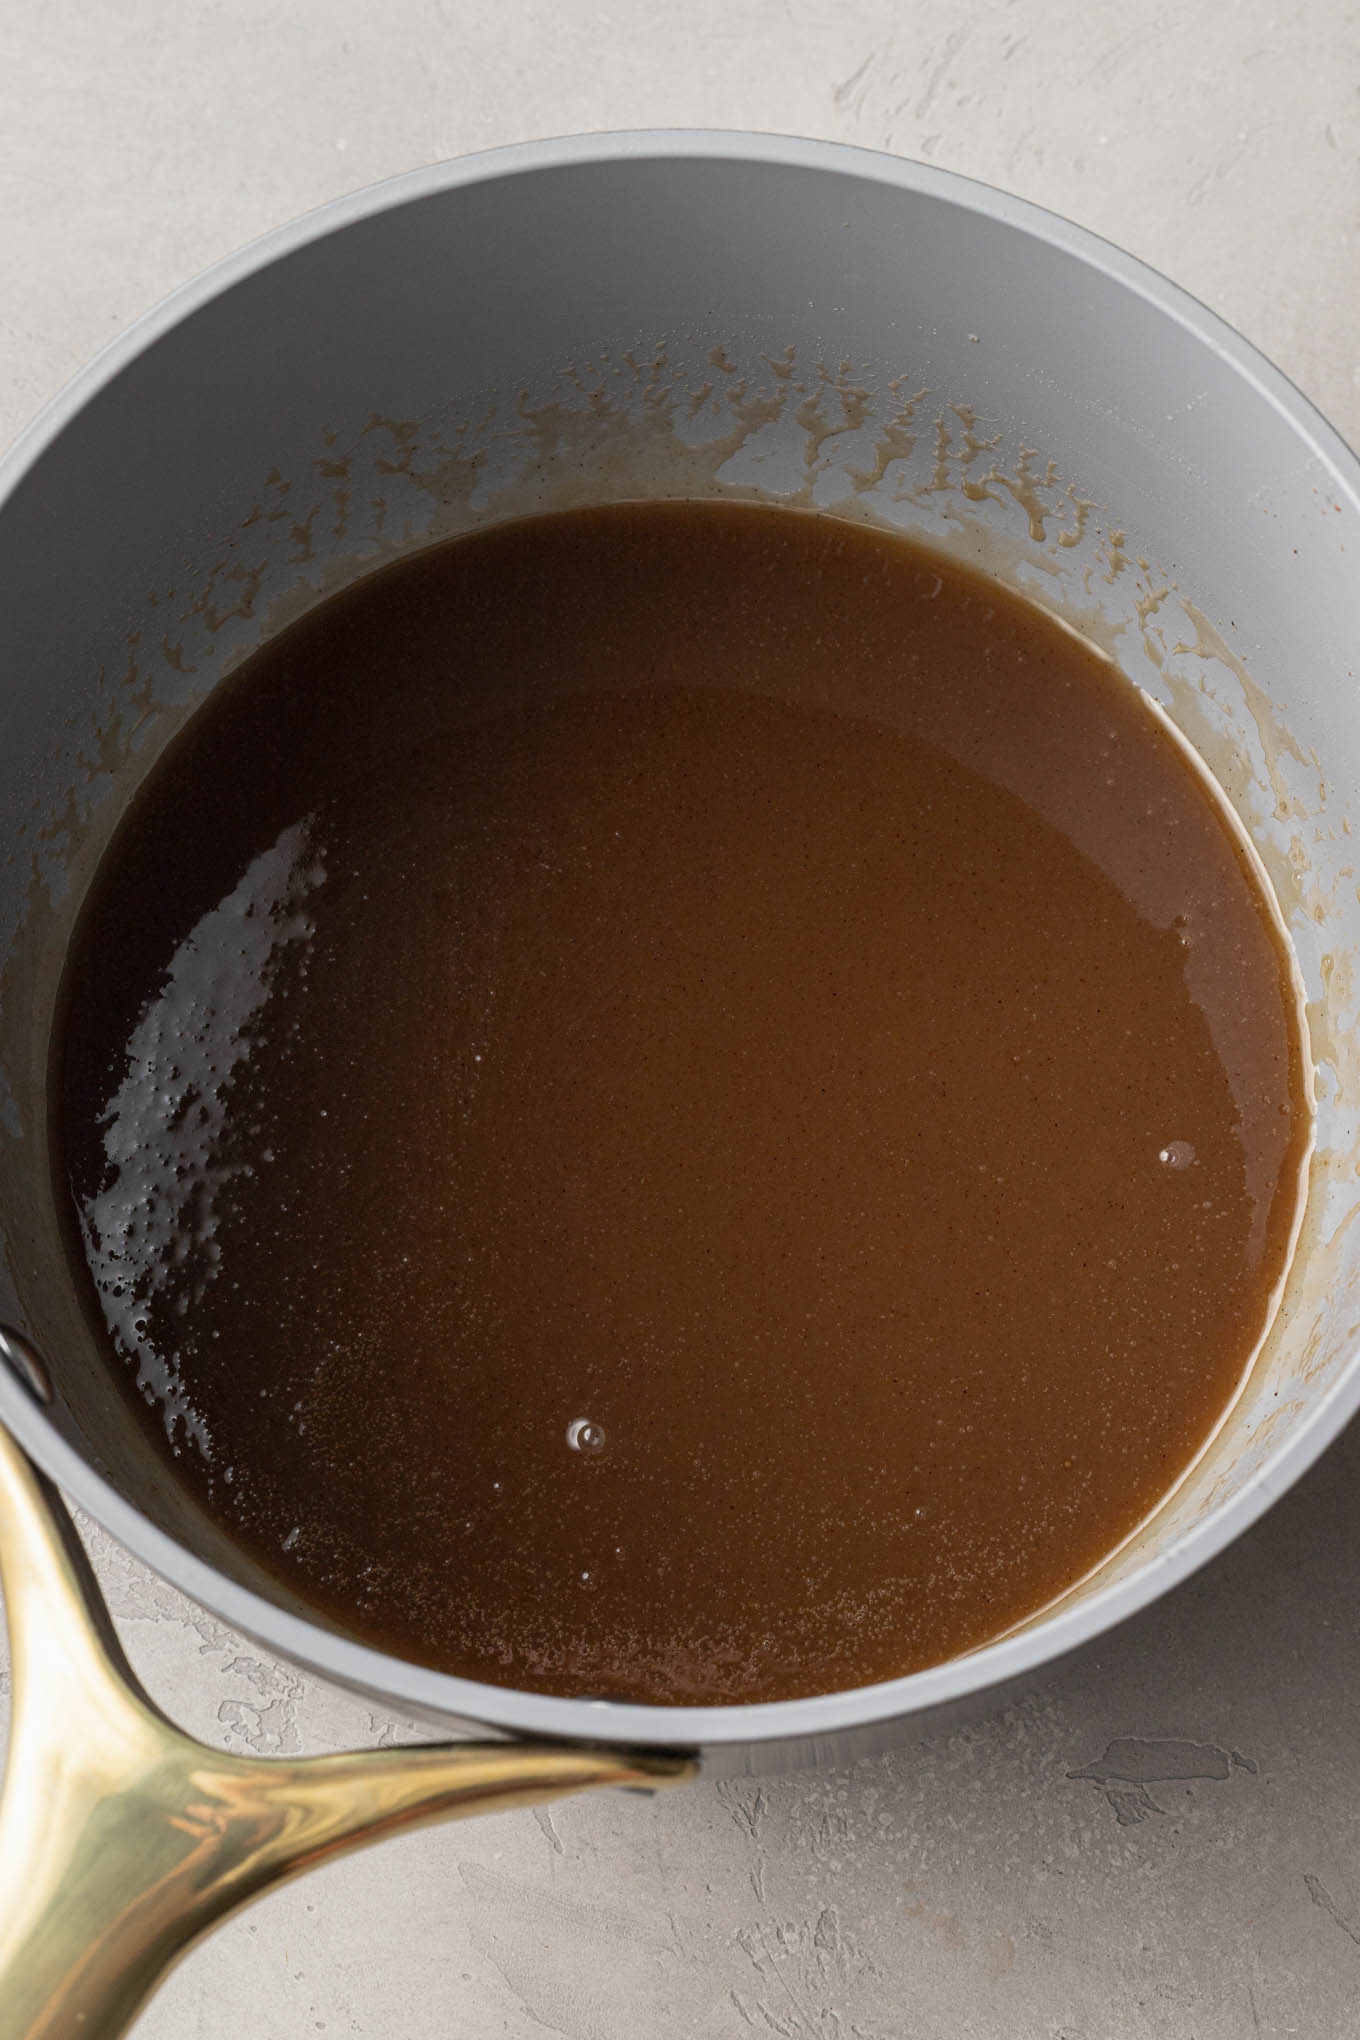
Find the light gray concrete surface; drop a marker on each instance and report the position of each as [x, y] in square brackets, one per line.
[1161, 1841]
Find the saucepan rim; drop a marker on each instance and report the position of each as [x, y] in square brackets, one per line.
[427, 1692]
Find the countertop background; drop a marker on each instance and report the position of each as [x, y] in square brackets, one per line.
[1201, 1879]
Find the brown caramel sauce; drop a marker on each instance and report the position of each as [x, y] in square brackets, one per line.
[682, 1102]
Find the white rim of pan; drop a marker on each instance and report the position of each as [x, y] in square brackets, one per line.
[1016, 1656]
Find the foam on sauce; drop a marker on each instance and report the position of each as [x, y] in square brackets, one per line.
[682, 1102]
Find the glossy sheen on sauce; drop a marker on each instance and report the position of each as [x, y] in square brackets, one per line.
[678, 1102]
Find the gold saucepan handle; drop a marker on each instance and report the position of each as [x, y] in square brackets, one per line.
[123, 1840]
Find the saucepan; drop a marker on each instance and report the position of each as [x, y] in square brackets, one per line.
[608, 318]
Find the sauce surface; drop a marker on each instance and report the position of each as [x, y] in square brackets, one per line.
[678, 1102]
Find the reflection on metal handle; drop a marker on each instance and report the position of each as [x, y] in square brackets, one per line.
[123, 1840]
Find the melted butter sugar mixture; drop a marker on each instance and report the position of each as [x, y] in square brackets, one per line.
[680, 1102]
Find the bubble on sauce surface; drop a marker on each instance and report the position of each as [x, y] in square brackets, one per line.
[1177, 1154]
[585, 1436]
